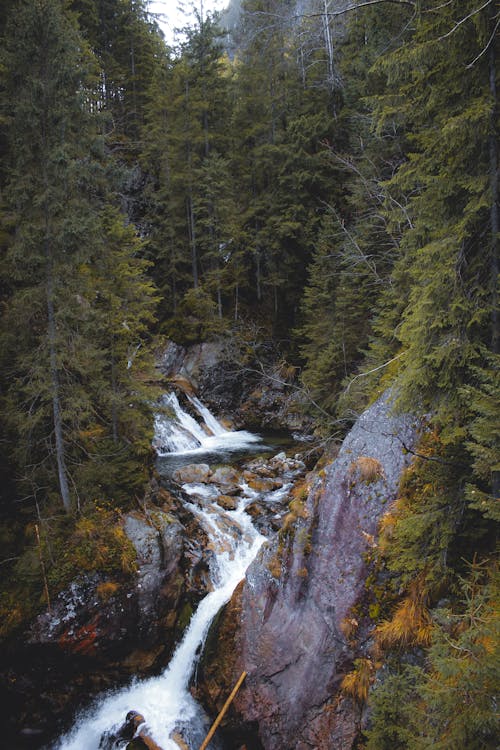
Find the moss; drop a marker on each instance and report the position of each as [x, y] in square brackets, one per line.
[184, 617]
[97, 543]
[274, 566]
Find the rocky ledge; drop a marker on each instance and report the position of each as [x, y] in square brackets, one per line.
[286, 624]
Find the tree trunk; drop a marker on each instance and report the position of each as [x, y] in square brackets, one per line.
[55, 386]
[493, 144]
[114, 389]
[192, 238]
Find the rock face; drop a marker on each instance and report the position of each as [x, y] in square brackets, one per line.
[106, 619]
[299, 593]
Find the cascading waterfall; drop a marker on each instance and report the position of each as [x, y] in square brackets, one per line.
[178, 432]
[165, 701]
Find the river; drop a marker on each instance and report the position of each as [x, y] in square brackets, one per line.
[165, 701]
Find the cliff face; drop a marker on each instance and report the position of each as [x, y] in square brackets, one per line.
[291, 636]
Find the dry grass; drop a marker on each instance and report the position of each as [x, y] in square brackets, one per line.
[106, 590]
[410, 625]
[366, 469]
[357, 683]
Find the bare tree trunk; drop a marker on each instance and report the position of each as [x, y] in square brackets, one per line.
[257, 272]
[329, 49]
[190, 207]
[114, 388]
[493, 144]
[55, 385]
[192, 238]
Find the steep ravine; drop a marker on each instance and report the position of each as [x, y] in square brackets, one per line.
[291, 612]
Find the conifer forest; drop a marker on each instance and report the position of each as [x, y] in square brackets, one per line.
[311, 187]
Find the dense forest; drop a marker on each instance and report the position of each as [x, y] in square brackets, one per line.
[323, 176]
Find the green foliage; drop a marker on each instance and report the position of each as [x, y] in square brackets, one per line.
[449, 702]
[463, 671]
[197, 319]
[484, 435]
[393, 711]
[420, 529]
[79, 304]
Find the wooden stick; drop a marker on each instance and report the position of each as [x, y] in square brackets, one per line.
[222, 712]
[42, 565]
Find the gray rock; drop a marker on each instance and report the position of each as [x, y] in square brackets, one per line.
[291, 641]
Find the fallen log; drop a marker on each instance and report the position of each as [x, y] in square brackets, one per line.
[222, 712]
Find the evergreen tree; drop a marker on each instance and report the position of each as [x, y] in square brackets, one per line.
[55, 346]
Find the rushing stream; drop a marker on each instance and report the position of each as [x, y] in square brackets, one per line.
[165, 701]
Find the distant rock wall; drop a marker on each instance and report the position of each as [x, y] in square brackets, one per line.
[290, 636]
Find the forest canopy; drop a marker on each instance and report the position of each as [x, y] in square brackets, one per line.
[324, 173]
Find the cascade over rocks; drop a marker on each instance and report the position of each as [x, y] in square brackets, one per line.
[300, 591]
[251, 395]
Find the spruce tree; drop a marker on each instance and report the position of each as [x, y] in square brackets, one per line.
[54, 330]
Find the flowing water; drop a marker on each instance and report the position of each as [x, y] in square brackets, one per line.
[178, 433]
[165, 701]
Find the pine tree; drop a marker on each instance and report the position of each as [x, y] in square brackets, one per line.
[57, 351]
[446, 107]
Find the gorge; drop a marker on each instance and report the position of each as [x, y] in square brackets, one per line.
[249, 375]
[284, 624]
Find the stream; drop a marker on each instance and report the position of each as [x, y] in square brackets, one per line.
[165, 701]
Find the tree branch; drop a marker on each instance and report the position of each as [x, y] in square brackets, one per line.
[486, 48]
[369, 372]
[464, 19]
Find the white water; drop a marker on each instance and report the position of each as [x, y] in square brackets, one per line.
[165, 701]
[184, 434]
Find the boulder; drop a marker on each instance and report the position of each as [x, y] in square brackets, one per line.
[265, 484]
[192, 473]
[225, 475]
[289, 635]
[227, 502]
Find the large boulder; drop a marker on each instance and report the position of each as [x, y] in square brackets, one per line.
[299, 594]
[192, 473]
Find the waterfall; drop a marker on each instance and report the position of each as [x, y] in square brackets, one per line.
[165, 701]
[177, 432]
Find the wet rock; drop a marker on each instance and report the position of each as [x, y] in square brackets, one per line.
[101, 630]
[189, 364]
[258, 468]
[265, 484]
[110, 740]
[289, 614]
[192, 473]
[266, 519]
[227, 502]
[225, 475]
[254, 397]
